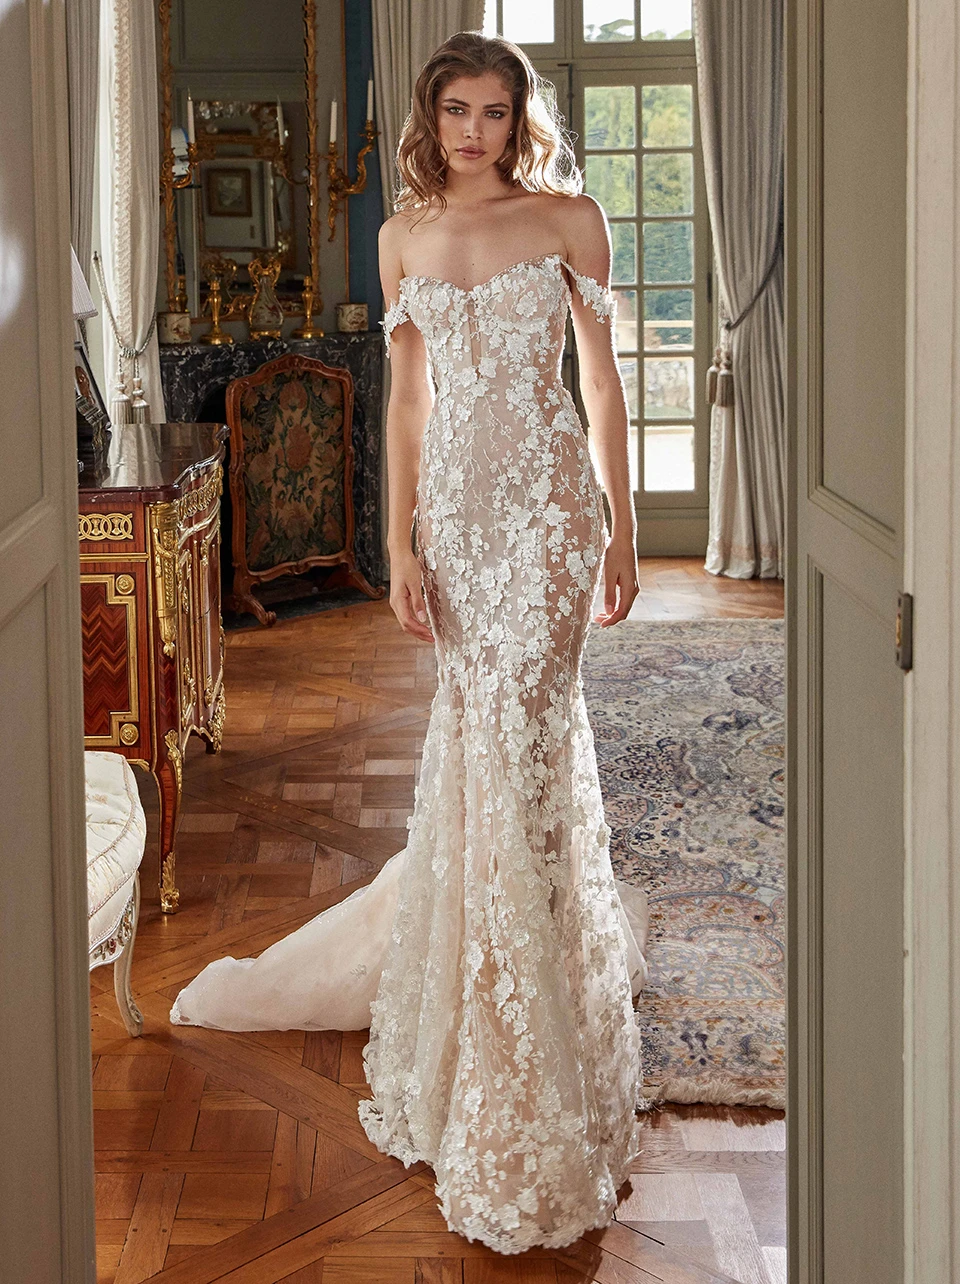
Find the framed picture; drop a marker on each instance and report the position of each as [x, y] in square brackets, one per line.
[229, 193]
[87, 394]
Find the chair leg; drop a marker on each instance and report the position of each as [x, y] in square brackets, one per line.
[131, 1014]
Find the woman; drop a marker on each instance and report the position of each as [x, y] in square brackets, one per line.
[492, 958]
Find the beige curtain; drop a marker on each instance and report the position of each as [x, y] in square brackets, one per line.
[130, 188]
[83, 64]
[405, 34]
[739, 69]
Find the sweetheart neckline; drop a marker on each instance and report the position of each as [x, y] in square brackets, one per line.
[438, 280]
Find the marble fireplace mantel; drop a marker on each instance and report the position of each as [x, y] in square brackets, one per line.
[195, 377]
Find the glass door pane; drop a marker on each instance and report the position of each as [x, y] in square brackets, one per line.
[641, 162]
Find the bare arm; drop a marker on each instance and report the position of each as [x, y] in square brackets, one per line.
[605, 401]
[409, 406]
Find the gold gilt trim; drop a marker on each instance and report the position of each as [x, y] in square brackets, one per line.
[117, 594]
[196, 500]
[169, 895]
[217, 721]
[98, 526]
[163, 525]
[172, 741]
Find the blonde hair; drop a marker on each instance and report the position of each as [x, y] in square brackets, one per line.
[538, 155]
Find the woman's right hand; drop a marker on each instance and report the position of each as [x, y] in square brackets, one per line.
[406, 595]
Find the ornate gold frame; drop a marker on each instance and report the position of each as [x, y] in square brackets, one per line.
[312, 298]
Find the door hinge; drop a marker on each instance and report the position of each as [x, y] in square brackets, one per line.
[905, 631]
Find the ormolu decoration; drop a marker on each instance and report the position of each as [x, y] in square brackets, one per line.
[100, 526]
[339, 183]
[164, 530]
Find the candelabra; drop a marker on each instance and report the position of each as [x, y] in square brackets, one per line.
[339, 181]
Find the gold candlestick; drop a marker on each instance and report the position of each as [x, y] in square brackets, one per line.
[308, 330]
[339, 182]
[215, 335]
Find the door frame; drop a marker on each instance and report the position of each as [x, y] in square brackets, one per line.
[932, 690]
[931, 728]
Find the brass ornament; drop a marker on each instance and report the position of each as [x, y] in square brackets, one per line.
[194, 501]
[105, 526]
[169, 894]
[125, 584]
[217, 721]
[340, 186]
[164, 528]
[129, 733]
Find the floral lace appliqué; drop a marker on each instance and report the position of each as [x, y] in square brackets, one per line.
[503, 1047]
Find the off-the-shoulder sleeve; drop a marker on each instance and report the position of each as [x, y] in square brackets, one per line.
[393, 317]
[602, 300]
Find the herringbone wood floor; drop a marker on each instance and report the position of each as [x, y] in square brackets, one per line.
[239, 1157]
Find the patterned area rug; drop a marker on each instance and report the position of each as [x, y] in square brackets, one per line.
[688, 723]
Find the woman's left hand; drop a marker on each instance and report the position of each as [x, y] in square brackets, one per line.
[620, 587]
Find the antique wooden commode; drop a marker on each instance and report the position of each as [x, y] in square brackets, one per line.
[153, 644]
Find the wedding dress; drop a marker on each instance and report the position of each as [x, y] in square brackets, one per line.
[495, 957]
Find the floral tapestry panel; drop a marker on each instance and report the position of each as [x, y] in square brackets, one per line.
[293, 437]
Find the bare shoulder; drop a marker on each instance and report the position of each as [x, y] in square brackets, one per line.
[583, 227]
[583, 221]
[393, 234]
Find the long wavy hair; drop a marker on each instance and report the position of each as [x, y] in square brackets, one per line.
[538, 156]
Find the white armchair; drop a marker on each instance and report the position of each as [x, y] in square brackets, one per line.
[116, 835]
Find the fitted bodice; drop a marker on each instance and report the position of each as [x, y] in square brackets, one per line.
[507, 332]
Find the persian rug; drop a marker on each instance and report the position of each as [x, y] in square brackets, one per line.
[689, 731]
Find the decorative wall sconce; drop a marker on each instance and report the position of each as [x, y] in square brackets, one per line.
[339, 182]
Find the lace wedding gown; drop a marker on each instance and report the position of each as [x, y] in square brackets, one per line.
[495, 957]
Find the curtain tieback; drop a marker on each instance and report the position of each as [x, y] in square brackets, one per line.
[125, 407]
[720, 373]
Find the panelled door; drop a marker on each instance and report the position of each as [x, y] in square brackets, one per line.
[46, 1143]
[846, 245]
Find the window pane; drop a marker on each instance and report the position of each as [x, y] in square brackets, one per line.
[528, 22]
[668, 319]
[623, 267]
[668, 183]
[490, 18]
[668, 387]
[626, 320]
[667, 252]
[667, 115]
[633, 454]
[606, 20]
[666, 20]
[609, 113]
[631, 384]
[613, 181]
[668, 458]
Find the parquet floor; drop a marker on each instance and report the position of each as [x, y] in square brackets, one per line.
[240, 1157]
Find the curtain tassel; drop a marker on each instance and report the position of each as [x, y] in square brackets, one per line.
[120, 406]
[724, 395]
[139, 406]
[712, 372]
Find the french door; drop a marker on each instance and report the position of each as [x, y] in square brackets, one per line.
[636, 140]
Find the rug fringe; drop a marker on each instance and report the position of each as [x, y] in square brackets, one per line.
[715, 1090]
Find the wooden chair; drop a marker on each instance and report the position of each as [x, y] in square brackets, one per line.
[291, 477]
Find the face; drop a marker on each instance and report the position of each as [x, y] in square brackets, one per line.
[474, 120]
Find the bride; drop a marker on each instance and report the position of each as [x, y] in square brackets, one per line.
[495, 957]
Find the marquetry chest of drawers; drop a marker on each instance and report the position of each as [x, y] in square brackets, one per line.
[149, 530]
